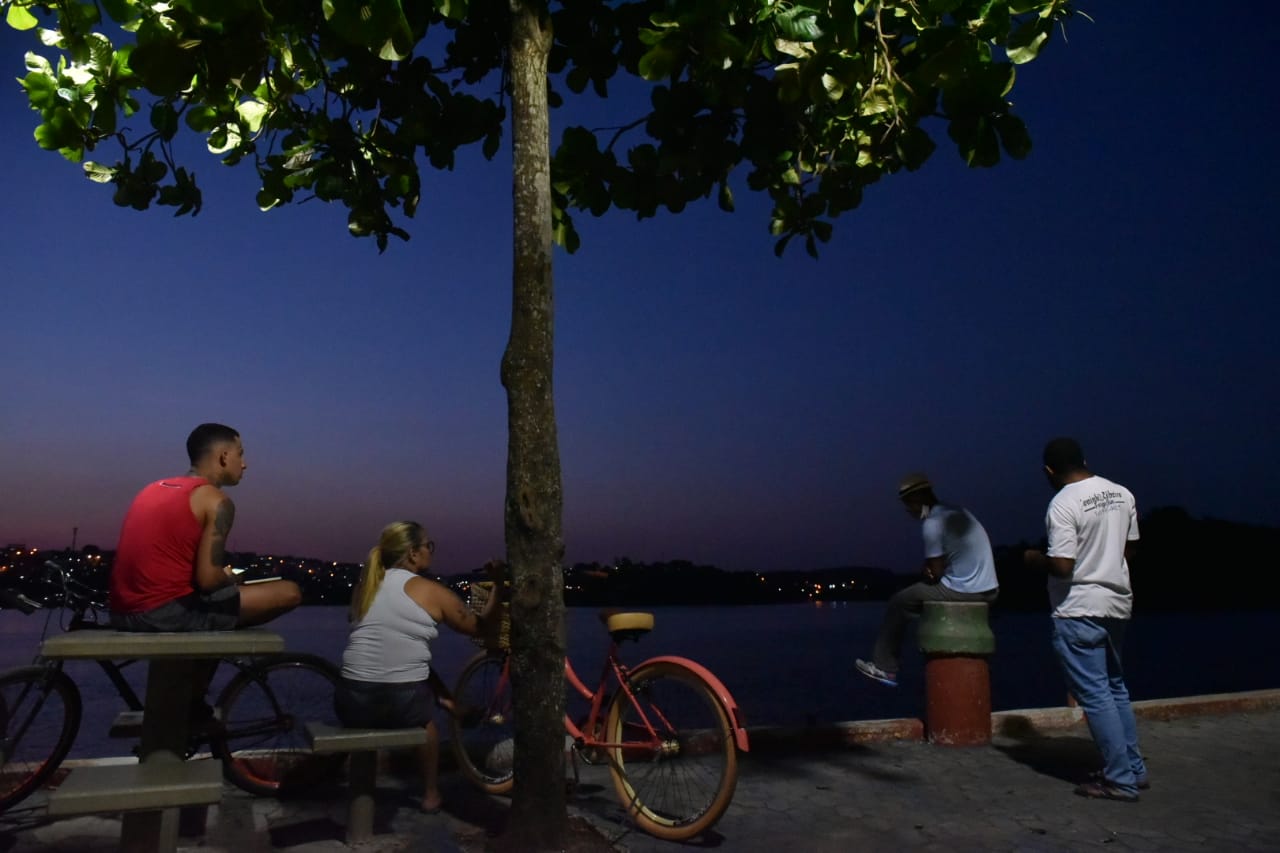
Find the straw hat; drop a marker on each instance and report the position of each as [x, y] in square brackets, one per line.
[913, 483]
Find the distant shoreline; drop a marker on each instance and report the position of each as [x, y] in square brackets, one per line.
[1182, 563]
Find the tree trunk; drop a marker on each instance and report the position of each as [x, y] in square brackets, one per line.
[535, 545]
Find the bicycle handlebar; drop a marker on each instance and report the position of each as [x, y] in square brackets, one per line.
[71, 594]
[15, 600]
[77, 595]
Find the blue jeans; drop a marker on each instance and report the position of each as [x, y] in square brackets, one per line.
[907, 604]
[1089, 650]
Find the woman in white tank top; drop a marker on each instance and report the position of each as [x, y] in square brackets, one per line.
[387, 677]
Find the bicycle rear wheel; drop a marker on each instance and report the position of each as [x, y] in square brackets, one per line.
[39, 717]
[676, 780]
[484, 740]
[263, 709]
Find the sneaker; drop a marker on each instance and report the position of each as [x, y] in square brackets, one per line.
[875, 673]
[1144, 784]
[1105, 791]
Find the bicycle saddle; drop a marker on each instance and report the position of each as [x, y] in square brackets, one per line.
[628, 626]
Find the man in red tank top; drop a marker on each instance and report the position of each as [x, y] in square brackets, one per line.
[170, 571]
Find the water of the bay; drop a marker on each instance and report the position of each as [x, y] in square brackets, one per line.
[793, 664]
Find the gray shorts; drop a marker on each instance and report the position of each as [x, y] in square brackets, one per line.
[200, 611]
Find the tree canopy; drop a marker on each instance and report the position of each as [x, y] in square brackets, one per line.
[347, 100]
[344, 99]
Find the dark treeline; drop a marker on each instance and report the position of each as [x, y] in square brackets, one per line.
[1181, 563]
[624, 582]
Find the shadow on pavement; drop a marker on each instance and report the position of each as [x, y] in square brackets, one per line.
[800, 766]
[1069, 758]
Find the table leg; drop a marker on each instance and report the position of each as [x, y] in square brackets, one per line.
[165, 722]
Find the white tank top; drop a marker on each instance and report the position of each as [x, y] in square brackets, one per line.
[392, 642]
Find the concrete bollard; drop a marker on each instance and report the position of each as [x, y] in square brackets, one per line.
[956, 641]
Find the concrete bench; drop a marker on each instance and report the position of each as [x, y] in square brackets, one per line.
[363, 746]
[117, 645]
[137, 787]
[161, 782]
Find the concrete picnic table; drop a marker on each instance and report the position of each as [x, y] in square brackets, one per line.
[151, 792]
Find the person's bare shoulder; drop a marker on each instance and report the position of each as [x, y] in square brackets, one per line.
[425, 593]
[206, 499]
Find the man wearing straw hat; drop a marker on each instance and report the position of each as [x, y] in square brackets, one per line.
[958, 566]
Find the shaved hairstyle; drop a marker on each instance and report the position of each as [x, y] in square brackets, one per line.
[206, 437]
[1064, 456]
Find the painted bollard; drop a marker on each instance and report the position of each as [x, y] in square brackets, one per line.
[956, 641]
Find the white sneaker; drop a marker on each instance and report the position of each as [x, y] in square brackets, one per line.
[875, 673]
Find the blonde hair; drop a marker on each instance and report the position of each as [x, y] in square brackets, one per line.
[397, 540]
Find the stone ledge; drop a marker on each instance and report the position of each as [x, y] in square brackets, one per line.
[834, 735]
[1015, 723]
[1209, 703]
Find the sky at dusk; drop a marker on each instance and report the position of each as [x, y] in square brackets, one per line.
[715, 403]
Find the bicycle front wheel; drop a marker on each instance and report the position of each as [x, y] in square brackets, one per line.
[39, 717]
[484, 739]
[263, 709]
[673, 759]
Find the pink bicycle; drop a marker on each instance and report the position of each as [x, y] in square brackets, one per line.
[669, 731]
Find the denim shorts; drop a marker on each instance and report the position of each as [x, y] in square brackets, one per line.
[378, 705]
[218, 610]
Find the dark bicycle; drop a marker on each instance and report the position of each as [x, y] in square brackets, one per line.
[256, 732]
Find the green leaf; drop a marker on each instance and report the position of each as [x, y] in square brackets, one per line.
[578, 78]
[799, 24]
[1013, 136]
[1025, 42]
[202, 119]
[99, 173]
[454, 10]
[42, 90]
[252, 113]
[164, 67]
[977, 141]
[37, 63]
[20, 19]
[725, 199]
[120, 10]
[914, 147]
[658, 63]
[59, 131]
[164, 118]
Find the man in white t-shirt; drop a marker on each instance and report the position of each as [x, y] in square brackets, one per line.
[1092, 524]
[958, 566]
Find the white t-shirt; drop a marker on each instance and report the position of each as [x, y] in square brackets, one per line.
[391, 642]
[1090, 521]
[953, 533]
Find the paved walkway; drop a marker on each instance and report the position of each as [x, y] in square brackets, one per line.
[1215, 786]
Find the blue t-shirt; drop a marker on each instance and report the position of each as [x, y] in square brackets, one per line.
[951, 532]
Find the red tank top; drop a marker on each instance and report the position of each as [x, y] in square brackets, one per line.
[156, 557]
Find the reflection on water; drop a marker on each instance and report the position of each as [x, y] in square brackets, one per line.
[785, 664]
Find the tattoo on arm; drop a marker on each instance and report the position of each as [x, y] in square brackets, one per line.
[222, 522]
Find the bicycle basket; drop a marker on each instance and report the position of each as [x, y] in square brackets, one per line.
[494, 638]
